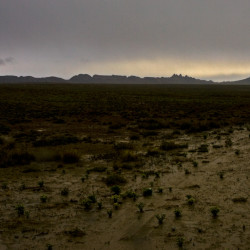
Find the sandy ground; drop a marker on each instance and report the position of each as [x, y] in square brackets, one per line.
[221, 179]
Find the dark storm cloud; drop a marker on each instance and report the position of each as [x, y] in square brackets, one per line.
[64, 32]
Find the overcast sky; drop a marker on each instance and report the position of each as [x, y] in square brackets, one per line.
[207, 39]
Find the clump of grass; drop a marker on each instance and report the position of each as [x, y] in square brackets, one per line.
[116, 198]
[4, 186]
[190, 201]
[187, 172]
[87, 203]
[160, 190]
[65, 192]
[160, 218]
[41, 184]
[92, 198]
[195, 164]
[116, 189]
[70, 157]
[43, 198]
[177, 213]
[221, 175]
[83, 179]
[214, 211]
[180, 242]
[128, 156]
[116, 205]
[99, 204]
[237, 152]
[20, 209]
[147, 192]
[109, 212]
[140, 207]
[130, 194]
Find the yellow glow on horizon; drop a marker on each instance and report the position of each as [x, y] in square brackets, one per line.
[167, 67]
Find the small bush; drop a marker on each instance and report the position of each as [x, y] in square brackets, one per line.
[191, 201]
[180, 242]
[109, 212]
[87, 203]
[116, 189]
[65, 192]
[20, 209]
[147, 192]
[160, 218]
[140, 207]
[43, 198]
[177, 213]
[92, 198]
[214, 211]
[41, 184]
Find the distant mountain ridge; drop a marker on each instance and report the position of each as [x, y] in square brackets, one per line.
[115, 79]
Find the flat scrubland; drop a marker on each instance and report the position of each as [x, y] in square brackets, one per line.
[124, 166]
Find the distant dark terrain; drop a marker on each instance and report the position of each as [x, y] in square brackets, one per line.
[115, 79]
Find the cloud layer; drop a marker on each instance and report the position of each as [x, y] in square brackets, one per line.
[144, 37]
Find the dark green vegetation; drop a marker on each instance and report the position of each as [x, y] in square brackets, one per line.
[193, 108]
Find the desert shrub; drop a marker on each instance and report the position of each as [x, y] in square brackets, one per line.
[76, 232]
[43, 198]
[187, 171]
[116, 189]
[109, 212]
[160, 190]
[140, 207]
[180, 242]
[214, 211]
[177, 213]
[221, 175]
[99, 205]
[195, 164]
[70, 157]
[147, 192]
[160, 218]
[116, 198]
[153, 152]
[149, 133]
[41, 184]
[167, 146]
[190, 201]
[115, 179]
[116, 205]
[65, 191]
[20, 209]
[92, 198]
[237, 152]
[130, 194]
[87, 203]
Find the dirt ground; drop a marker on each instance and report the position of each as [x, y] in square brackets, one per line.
[191, 180]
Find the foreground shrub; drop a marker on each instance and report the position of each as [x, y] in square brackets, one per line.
[160, 218]
[214, 211]
[171, 146]
[147, 192]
